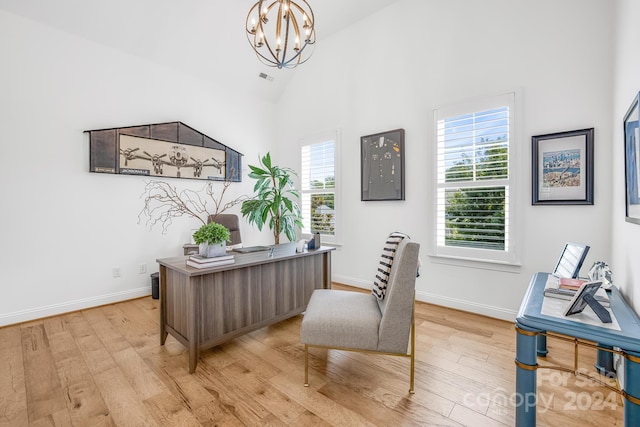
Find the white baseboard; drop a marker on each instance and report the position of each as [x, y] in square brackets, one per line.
[67, 307]
[351, 281]
[458, 304]
[470, 306]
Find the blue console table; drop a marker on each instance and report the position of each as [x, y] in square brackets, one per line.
[532, 328]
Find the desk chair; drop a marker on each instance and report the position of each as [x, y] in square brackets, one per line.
[354, 321]
[228, 220]
[231, 222]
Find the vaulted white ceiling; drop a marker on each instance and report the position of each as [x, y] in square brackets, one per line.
[205, 38]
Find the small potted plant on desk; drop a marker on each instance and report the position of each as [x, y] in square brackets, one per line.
[212, 239]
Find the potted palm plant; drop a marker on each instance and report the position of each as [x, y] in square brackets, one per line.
[212, 239]
[275, 201]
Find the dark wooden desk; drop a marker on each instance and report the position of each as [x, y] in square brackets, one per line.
[203, 308]
[531, 324]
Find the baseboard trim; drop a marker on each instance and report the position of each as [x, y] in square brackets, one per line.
[70, 306]
[470, 306]
[456, 303]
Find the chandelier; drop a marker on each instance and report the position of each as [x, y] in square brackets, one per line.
[281, 32]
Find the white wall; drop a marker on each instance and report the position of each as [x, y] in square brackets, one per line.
[626, 249]
[392, 69]
[387, 71]
[63, 229]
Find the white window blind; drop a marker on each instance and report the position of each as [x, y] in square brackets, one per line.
[473, 182]
[318, 176]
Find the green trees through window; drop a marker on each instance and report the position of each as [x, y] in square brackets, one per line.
[319, 187]
[323, 208]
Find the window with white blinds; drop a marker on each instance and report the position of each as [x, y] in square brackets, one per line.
[473, 180]
[318, 185]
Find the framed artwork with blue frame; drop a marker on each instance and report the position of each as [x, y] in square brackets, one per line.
[631, 162]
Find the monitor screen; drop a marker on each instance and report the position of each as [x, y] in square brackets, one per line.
[571, 260]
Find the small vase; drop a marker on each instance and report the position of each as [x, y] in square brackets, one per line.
[211, 251]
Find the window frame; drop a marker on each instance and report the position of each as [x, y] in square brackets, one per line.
[333, 135]
[473, 256]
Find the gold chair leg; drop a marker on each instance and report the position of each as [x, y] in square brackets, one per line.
[412, 375]
[306, 365]
[413, 348]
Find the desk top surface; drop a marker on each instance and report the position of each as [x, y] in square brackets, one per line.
[530, 317]
[281, 252]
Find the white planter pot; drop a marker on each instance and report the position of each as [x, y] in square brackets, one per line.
[211, 251]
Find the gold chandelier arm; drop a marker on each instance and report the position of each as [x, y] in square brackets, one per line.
[296, 28]
[287, 24]
[265, 10]
[279, 31]
[250, 24]
[265, 41]
[308, 21]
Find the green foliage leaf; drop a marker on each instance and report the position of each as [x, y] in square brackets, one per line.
[266, 160]
[271, 203]
[212, 233]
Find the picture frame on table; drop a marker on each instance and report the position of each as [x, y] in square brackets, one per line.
[382, 166]
[632, 162]
[562, 168]
[578, 302]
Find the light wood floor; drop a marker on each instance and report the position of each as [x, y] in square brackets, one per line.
[104, 366]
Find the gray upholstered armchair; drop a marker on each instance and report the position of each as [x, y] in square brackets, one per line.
[354, 321]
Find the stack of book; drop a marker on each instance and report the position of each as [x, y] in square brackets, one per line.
[198, 261]
[564, 288]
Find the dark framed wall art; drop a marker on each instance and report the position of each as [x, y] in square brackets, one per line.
[167, 150]
[382, 166]
[562, 168]
[632, 162]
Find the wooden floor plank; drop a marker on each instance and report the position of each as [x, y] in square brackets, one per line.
[385, 387]
[189, 389]
[13, 395]
[44, 392]
[84, 402]
[124, 404]
[215, 413]
[97, 356]
[468, 417]
[168, 410]
[378, 414]
[242, 405]
[272, 400]
[326, 409]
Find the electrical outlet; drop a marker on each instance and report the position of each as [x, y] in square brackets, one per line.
[143, 268]
[116, 272]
